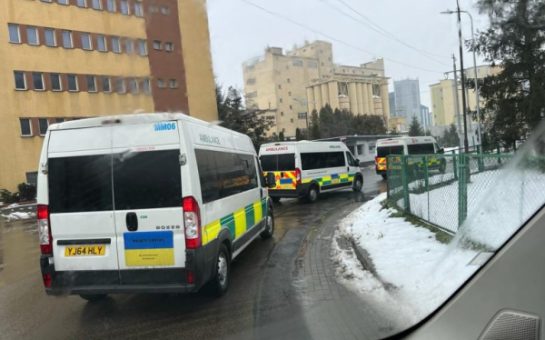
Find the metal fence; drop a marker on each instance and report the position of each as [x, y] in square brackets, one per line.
[441, 188]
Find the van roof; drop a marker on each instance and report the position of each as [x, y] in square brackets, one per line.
[407, 140]
[138, 118]
[301, 142]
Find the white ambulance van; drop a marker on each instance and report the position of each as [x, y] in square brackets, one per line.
[306, 169]
[419, 145]
[146, 203]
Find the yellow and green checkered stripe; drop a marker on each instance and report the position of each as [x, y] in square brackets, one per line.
[237, 222]
[331, 180]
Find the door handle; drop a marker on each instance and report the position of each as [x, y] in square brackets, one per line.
[132, 221]
[347, 169]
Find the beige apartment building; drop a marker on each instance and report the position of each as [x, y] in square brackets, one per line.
[70, 59]
[287, 87]
[443, 96]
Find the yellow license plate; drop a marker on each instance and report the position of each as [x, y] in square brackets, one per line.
[96, 250]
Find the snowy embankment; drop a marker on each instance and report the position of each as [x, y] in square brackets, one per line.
[422, 271]
[18, 215]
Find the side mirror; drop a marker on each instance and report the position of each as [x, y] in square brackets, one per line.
[441, 150]
[357, 162]
[270, 180]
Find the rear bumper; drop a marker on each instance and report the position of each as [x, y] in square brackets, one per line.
[160, 280]
[300, 191]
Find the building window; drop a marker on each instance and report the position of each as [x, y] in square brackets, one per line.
[67, 41]
[32, 36]
[288, 80]
[250, 81]
[169, 47]
[165, 10]
[376, 90]
[282, 113]
[153, 9]
[156, 45]
[91, 84]
[101, 43]
[62, 2]
[32, 178]
[26, 127]
[146, 86]
[42, 125]
[38, 81]
[133, 86]
[116, 45]
[59, 120]
[289, 93]
[291, 107]
[55, 80]
[142, 48]
[14, 34]
[129, 46]
[106, 84]
[120, 86]
[86, 42]
[81, 3]
[124, 7]
[96, 4]
[281, 100]
[291, 120]
[110, 5]
[279, 87]
[138, 9]
[297, 62]
[20, 80]
[161, 83]
[173, 83]
[50, 40]
[72, 83]
[302, 115]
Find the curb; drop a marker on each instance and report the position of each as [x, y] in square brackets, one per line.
[363, 256]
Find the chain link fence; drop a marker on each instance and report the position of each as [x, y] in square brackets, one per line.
[440, 188]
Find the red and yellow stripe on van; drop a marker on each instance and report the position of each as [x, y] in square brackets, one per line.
[380, 163]
[285, 180]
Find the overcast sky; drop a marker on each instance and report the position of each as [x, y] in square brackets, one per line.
[240, 31]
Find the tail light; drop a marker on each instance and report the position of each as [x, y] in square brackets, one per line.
[192, 223]
[298, 175]
[44, 229]
[190, 277]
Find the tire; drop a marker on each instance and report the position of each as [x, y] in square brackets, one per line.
[93, 297]
[358, 184]
[442, 167]
[269, 228]
[222, 273]
[312, 194]
[275, 199]
[384, 176]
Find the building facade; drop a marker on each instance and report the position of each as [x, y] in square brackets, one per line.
[407, 99]
[425, 117]
[69, 59]
[287, 87]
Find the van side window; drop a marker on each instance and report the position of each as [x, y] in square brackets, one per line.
[351, 160]
[421, 149]
[319, 160]
[223, 174]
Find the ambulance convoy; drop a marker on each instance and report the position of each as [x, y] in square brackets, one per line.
[165, 202]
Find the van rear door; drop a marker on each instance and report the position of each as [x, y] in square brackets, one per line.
[148, 202]
[80, 201]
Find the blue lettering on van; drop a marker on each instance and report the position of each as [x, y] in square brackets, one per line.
[164, 126]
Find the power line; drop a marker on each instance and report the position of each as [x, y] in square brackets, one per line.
[333, 38]
[377, 28]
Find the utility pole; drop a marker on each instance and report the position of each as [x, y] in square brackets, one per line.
[464, 107]
[457, 101]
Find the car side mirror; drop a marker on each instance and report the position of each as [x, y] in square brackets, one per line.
[270, 180]
[357, 162]
[441, 150]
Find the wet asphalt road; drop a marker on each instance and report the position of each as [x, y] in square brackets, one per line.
[284, 287]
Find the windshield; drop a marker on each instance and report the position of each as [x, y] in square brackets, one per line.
[163, 171]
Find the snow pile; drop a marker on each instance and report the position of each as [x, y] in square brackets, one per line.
[423, 271]
[14, 216]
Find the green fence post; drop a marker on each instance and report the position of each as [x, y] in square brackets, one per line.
[405, 181]
[462, 188]
[454, 164]
[480, 159]
[427, 183]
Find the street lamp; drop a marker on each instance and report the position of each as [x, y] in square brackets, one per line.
[477, 95]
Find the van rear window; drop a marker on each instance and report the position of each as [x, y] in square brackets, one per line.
[281, 162]
[79, 184]
[384, 151]
[420, 149]
[142, 180]
[319, 160]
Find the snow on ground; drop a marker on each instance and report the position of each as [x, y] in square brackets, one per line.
[18, 216]
[424, 271]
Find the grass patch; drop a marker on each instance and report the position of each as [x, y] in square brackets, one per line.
[440, 235]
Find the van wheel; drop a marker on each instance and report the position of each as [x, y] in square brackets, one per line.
[222, 276]
[312, 194]
[269, 226]
[358, 184]
[275, 199]
[93, 297]
[442, 167]
[384, 176]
